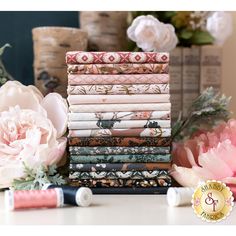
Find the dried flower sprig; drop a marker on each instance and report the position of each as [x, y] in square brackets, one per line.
[207, 110]
[4, 75]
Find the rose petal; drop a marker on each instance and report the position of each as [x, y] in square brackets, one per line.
[229, 180]
[36, 92]
[227, 153]
[52, 155]
[185, 176]
[57, 111]
[203, 173]
[190, 157]
[181, 157]
[213, 162]
[13, 93]
[58, 152]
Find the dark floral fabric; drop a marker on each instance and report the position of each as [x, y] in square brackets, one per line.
[120, 158]
[107, 183]
[76, 150]
[120, 141]
[119, 166]
[76, 175]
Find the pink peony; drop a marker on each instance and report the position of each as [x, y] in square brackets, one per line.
[31, 129]
[208, 155]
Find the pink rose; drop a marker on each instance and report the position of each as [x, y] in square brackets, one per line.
[208, 155]
[31, 129]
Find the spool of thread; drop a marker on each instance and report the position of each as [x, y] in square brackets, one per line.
[23, 199]
[73, 195]
[179, 196]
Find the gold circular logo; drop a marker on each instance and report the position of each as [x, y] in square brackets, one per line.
[212, 201]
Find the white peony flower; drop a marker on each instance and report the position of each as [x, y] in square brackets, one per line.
[31, 130]
[152, 35]
[13, 93]
[220, 26]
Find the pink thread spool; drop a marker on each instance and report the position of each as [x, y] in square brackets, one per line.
[24, 199]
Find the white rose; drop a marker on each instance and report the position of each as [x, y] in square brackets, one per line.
[220, 26]
[152, 35]
[144, 31]
[169, 40]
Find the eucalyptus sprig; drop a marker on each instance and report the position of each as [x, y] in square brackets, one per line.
[36, 179]
[207, 110]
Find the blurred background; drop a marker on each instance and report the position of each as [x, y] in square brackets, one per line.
[16, 29]
[228, 67]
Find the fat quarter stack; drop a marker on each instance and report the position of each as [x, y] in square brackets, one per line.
[119, 121]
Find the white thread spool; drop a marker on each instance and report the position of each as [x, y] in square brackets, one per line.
[179, 196]
[84, 197]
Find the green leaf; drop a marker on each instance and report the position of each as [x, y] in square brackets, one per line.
[201, 38]
[169, 14]
[131, 46]
[23, 184]
[186, 34]
[164, 16]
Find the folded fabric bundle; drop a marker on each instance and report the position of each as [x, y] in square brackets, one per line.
[118, 79]
[113, 89]
[119, 166]
[138, 115]
[79, 57]
[119, 158]
[121, 107]
[106, 150]
[144, 183]
[117, 174]
[118, 99]
[119, 121]
[118, 124]
[120, 141]
[145, 68]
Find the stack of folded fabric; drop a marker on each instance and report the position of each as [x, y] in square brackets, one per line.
[119, 121]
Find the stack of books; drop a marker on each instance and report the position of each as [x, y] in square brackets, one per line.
[192, 70]
[119, 121]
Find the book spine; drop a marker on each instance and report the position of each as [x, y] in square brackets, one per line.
[211, 67]
[176, 82]
[190, 77]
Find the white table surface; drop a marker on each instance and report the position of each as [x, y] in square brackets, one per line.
[110, 210]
